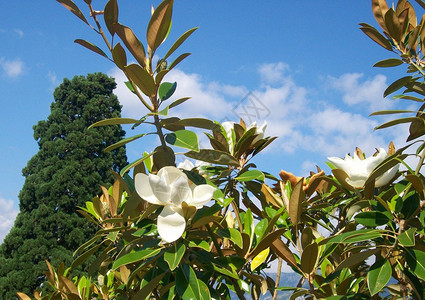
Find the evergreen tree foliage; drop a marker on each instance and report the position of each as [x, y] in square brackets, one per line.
[65, 173]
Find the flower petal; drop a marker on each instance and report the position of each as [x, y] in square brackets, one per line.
[186, 165]
[171, 174]
[386, 177]
[143, 188]
[160, 188]
[180, 191]
[202, 194]
[171, 223]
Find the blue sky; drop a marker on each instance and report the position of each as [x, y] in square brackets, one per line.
[306, 63]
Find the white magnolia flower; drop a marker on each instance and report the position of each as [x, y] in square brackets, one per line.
[170, 188]
[358, 170]
[229, 128]
[186, 165]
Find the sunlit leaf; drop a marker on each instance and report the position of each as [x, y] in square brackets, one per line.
[355, 259]
[416, 262]
[142, 79]
[309, 258]
[114, 121]
[396, 85]
[119, 57]
[232, 234]
[407, 238]
[178, 60]
[74, 9]
[179, 101]
[390, 112]
[386, 63]
[295, 202]
[259, 259]
[179, 41]
[147, 290]
[378, 276]
[133, 257]
[376, 36]
[189, 286]
[251, 175]
[166, 90]
[184, 139]
[110, 15]
[213, 156]
[91, 47]
[131, 42]
[174, 255]
[159, 24]
[124, 141]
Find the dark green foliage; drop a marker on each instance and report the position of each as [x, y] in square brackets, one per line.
[65, 173]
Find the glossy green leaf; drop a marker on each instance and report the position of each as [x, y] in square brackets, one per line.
[232, 234]
[396, 85]
[378, 276]
[124, 141]
[391, 62]
[251, 175]
[372, 218]
[179, 41]
[356, 258]
[91, 47]
[134, 163]
[184, 139]
[166, 90]
[407, 238]
[260, 229]
[198, 123]
[213, 156]
[177, 61]
[146, 290]
[353, 236]
[134, 257]
[391, 112]
[396, 122]
[84, 256]
[259, 259]
[130, 86]
[416, 262]
[174, 255]
[188, 286]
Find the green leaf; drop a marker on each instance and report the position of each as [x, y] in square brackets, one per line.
[134, 257]
[396, 122]
[134, 163]
[378, 276]
[174, 255]
[159, 24]
[189, 286]
[184, 139]
[74, 9]
[91, 47]
[147, 290]
[296, 201]
[390, 112]
[259, 259]
[396, 85]
[179, 41]
[356, 258]
[142, 79]
[391, 62]
[130, 86]
[260, 229]
[213, 156]
[248, 223]
[114, 121]
[372, 218]
[309, 258]
[407, 238]
[232, 234]
[124, 141]
[353, 236]
[251, 175]
[416, 262]
[166, 90]
[119, 56]
[198, 123]
[179, 101]
[83, 257]
[110, 15]
[132, 43]
[177, 61]
[376, 36]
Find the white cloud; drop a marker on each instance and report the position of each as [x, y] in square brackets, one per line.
[12, 68]
[7, 217]
[357, 93]
[53, 79]
[272, 72]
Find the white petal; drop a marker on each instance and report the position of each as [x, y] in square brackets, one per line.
[160, 188]
[180, 191]
[171, 223]
[186, 165]
[202, 194]
[373, 161]
[386, 177]
[171, 173]
[143, 188]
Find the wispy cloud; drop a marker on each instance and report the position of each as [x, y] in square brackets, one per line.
[7, 217]
[12, 68]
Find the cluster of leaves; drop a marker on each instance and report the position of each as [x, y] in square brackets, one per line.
[344, 242]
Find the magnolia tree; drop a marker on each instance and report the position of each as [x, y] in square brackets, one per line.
[210, 230]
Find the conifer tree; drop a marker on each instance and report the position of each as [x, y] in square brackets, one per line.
[65, 173]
